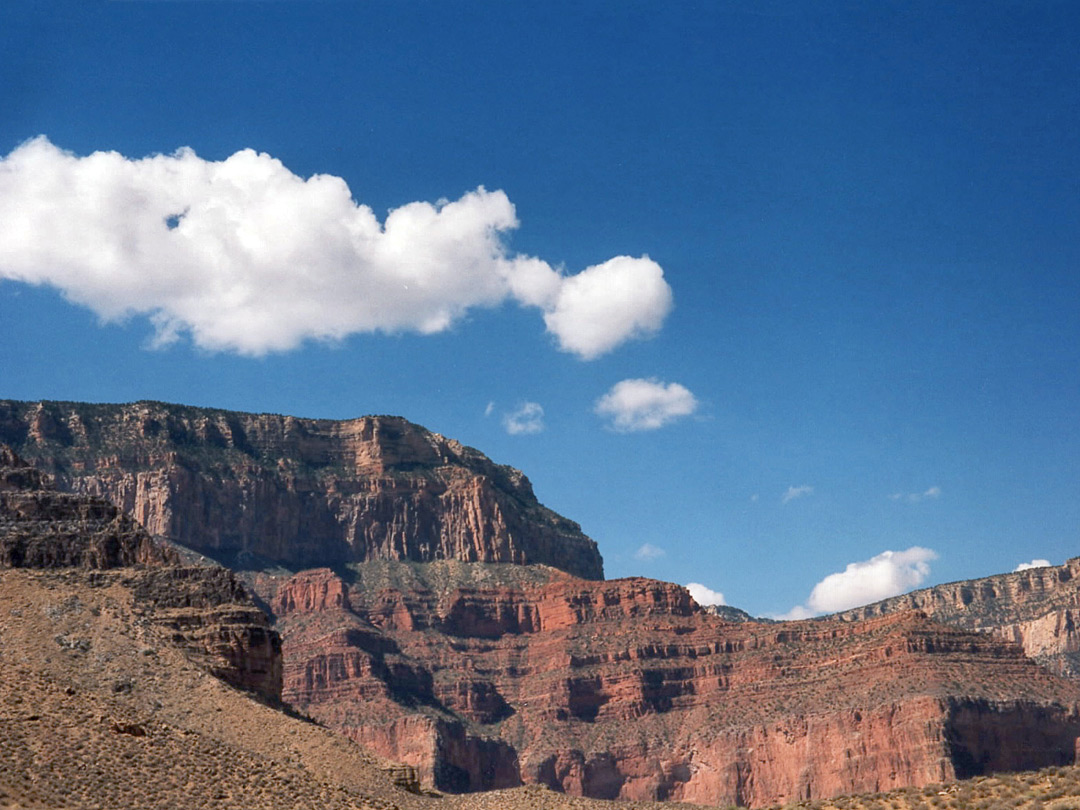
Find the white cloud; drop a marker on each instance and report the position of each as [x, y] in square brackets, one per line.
[860, 583]
[705, 596]
[244, 256]
[796, 492]
[604, 305]
[634, 405]
[648, 552]
[490, 409]
[795, 614]
[528, 417]
[915, 497]
[1033, 564]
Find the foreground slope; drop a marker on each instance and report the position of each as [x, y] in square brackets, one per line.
[99, 709]
[1056, 788]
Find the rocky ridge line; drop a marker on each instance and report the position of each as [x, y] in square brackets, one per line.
[1038, 608]
[261, 489]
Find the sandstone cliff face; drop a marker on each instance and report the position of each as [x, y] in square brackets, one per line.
[1039, 609]
[297, 492]
[207, 610]
[484, 676]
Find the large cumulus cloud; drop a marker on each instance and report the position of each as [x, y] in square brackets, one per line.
[244, 256]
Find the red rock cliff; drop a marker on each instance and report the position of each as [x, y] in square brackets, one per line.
[481, 676]
[297, 492]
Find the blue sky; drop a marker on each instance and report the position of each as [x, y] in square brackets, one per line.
[846, 322]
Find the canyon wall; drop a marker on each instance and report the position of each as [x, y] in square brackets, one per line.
[449, 621]
[486, 676]
[42, 528]
[259, 489]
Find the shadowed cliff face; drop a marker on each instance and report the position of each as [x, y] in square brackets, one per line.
[207, 611]
[42, 528]
[1039, 609]
[296, 492]
[484, 676]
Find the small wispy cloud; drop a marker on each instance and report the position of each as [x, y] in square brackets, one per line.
[888, 574]
[1033, 564]
[647, 552]
[489, 410]
[527, 418]
[640, 404]
[796, 492]
[704, 595]
[914, 497]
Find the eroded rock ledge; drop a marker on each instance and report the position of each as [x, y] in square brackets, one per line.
[1039, 609]
[206, 610]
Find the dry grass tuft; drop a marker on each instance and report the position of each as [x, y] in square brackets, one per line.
[1056, 788]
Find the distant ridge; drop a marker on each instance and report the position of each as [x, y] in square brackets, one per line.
[1038, 608]
[296, 492]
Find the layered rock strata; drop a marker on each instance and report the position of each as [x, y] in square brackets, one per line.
[206, 610]
[1038, 608]
[258, 489]
[435, 644]
[209, 612]
[484, 676]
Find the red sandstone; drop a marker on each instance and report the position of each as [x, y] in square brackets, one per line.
[625, 689]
